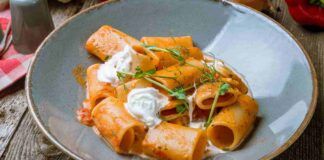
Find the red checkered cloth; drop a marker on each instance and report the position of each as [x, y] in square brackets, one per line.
[13, 65]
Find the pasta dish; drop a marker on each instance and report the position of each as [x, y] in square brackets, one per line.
[163, 98]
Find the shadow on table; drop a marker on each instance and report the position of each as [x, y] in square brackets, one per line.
[20, 84]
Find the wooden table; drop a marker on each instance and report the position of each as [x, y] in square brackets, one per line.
[20, 138]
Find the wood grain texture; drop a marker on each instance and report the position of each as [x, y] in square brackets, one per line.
[12, 108]
[60, 12]
[89, 3]
[28, 143]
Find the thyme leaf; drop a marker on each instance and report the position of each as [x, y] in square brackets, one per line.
[181, 108]
[209, 75]
[140, 73]
[179, 93]
[224, 88]
[121, 76]
[175, 52]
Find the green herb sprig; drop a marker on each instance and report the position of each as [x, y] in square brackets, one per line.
[209, 75]
[178, 92]
[121, 76]
[140, 73]
[175, 52]
[181, 108]
[224, 88]
[221, 91]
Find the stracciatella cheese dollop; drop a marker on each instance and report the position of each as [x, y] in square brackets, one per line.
[145, 103]
[121, 61]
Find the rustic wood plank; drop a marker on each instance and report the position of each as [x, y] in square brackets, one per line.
[60, 12]
[89, 3]
[30, 143]
[12, 108]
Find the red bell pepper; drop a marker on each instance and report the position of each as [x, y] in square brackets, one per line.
[307, 12]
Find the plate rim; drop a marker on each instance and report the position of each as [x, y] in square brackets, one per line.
[270, 155]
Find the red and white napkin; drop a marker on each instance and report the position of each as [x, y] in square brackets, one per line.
[13, 65]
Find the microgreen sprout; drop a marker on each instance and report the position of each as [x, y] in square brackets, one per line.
[181, 108]
[223, 88]
[175, 52]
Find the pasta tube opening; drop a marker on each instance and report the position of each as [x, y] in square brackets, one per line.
[183, 120]
[117, 126]
[168, 112]
[208, 101]
[206, 94]
[127, 140]
[173, 112]
[97, 100]
[226, 98]
[221, 136]
[233, 123]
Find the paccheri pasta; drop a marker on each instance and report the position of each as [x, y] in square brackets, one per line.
[162, 98]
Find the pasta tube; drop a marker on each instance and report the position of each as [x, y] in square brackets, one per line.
[180, 75]
[168, 42]
[183, 120]
[123, 90]
[154, 59]
[171, 114]
[107, 41]
[142, 61]
[228, 75]
[234, 80]
[206, 93]
[195, 53]
[174, 142]
[166, 59]
[96, 89]
[233, 123]
[117, 126]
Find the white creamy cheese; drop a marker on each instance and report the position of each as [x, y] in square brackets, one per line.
[120, 61]
[191, 104]
[218, 64]
[145, 103]
[197, 124]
